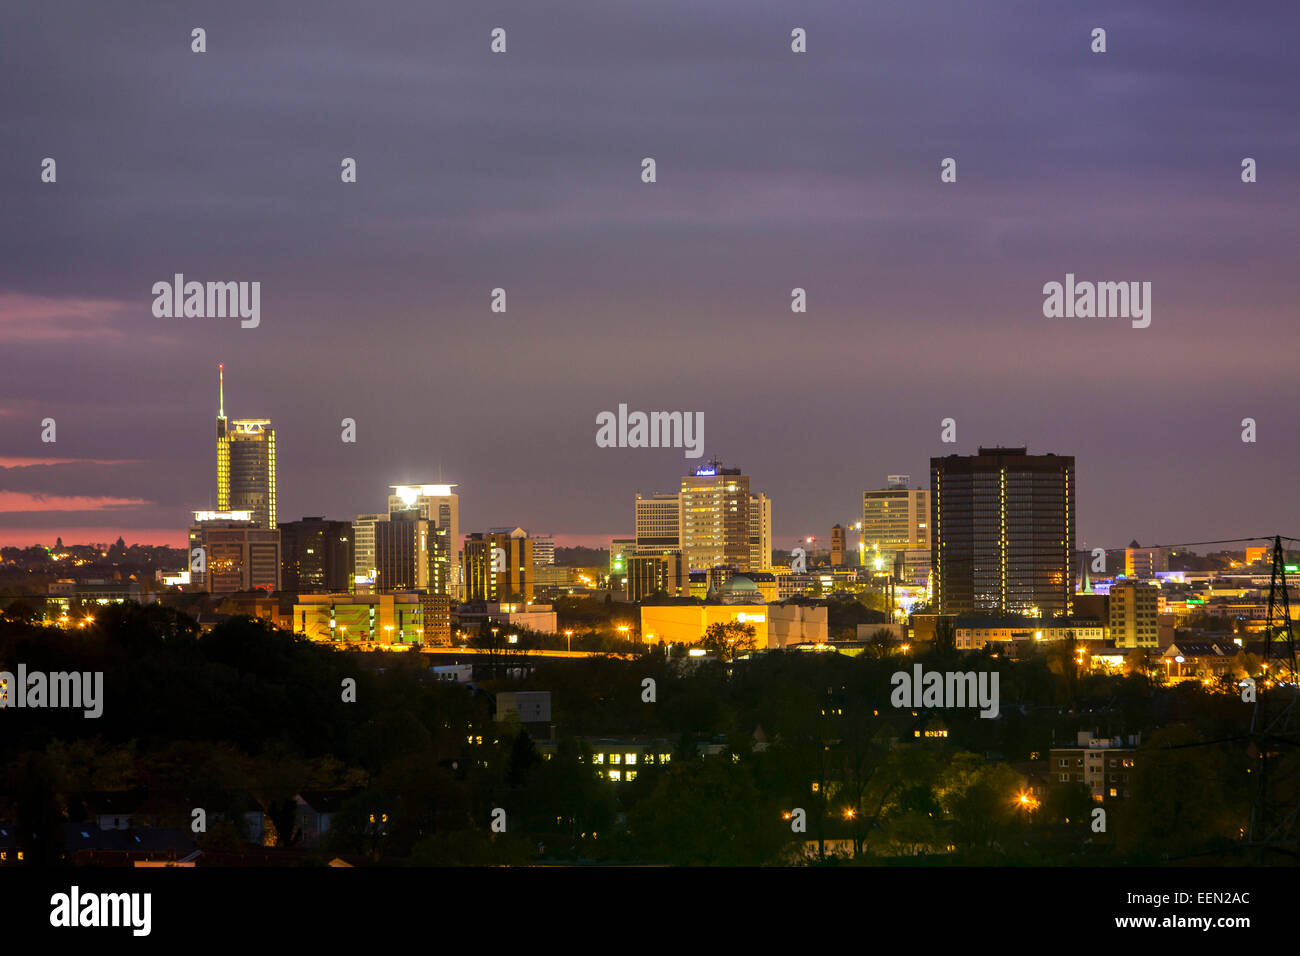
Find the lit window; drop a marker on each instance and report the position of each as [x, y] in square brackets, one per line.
[616, 775]
[629, 759]
[597, 758]
[615, 758]
[631, 775]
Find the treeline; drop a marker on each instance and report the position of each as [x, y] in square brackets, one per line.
[422, 764]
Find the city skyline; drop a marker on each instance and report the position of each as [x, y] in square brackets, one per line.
[924, 298]
[488, 514]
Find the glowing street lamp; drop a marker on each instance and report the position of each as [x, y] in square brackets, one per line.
[569, 635]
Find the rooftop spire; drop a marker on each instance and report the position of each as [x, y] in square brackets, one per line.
[221, 390]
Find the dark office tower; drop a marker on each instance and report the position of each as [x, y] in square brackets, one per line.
[316, 556]
[245, 463]
[407, 551]
[1003, 524]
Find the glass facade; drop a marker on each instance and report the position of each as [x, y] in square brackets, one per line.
[1003, 525]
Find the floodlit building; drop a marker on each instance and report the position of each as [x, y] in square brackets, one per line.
[543, 550]
[1142, 562]
[775, 625]
[1134, 614]
[498, 566]
[722, 524]
[972, 633]
[658, 523]
[360, 618]
[363, 547]
[440, 506]
[894, 519]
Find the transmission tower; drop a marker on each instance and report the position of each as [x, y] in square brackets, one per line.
[1275, 726]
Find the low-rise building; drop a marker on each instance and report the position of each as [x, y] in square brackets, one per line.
[1196, 659]
[1104, 765]
[396, 618]
[775, 625]
[972, 633]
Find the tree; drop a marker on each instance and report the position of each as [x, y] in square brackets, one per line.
[709, 812]
[1188, 795]
[945, 638]
[523, 757]
[21, 611]
[728, 640]
[1137, 661]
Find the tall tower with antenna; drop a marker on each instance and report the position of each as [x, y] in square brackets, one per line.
[223, 443]
[245, 463]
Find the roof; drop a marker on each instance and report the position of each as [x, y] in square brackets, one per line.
[1187, 648]
[87, 836]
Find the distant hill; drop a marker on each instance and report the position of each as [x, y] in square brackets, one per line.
[582, 557]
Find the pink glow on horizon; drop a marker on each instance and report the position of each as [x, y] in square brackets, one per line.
[179, 537]
[39, 462]
[27, 501]
[45, 537]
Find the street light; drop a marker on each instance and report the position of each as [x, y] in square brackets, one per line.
[569, 635]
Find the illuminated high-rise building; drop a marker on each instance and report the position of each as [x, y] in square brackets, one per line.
[410, 554]
[363, 547]
[245, 463]
[236, 554]
[1003, 533]
[658, 524]
[894, 519]
[1134, 608]
[716, 529]
[499, 566]
[760, 533]
[439, 505]
[543, 550]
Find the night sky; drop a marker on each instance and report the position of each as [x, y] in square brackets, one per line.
[522, 171]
